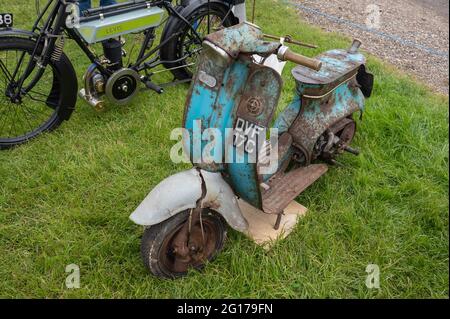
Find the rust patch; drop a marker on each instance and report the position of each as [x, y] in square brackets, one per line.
[213, 205]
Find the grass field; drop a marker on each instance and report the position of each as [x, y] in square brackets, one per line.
[65, 198]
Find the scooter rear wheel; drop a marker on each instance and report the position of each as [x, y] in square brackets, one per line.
[159, 252]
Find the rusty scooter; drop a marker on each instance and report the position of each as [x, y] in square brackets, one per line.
[234, 97]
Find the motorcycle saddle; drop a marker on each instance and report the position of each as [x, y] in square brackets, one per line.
[338, 66]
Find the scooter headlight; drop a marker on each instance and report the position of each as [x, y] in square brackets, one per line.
[223, 57]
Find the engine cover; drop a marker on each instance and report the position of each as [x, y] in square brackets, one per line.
[122, 86]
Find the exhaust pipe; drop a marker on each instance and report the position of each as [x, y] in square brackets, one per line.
[96, 103]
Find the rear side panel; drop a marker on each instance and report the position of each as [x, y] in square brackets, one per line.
[319, 113]
[326, 96]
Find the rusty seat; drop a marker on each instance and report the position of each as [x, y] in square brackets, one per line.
[337, 67]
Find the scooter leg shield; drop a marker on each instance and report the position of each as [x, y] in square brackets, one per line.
[184, 191]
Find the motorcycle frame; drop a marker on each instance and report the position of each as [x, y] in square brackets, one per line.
[54, 27]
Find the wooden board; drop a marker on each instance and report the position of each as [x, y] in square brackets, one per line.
[261, 225]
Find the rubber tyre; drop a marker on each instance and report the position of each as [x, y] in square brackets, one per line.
[64, 69]
[154, 237]
[173, 49]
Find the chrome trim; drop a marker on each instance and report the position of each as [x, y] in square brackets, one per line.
[281, 52]
[322, 96]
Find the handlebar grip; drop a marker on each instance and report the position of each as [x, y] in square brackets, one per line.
[287, 55]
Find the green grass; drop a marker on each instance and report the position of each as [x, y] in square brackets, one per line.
[66, 197]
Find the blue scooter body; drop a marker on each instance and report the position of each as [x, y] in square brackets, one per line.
[231, 104]
[228, 82]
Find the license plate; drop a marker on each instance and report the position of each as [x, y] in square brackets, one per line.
[6, 20]
[248, 135]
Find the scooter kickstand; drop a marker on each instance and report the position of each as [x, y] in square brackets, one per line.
[278, 222]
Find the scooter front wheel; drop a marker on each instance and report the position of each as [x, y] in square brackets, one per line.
[163, 254]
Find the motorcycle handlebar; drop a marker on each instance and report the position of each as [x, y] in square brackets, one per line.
[287, 55]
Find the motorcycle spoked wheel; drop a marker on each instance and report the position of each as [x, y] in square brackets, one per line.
[42, 108]
[159, 252]
[186, 43]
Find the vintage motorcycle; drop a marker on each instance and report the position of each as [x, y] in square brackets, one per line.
[236, 96]
[38, 84]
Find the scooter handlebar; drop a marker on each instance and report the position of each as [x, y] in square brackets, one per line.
[285, 54]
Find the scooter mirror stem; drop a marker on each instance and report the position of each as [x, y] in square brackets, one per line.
[289, 39]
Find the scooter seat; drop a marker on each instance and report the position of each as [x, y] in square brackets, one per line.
[337, 67]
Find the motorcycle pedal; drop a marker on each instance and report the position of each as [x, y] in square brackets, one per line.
[152, 86]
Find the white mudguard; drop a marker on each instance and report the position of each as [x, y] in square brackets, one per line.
[183, 191]
[240, 12]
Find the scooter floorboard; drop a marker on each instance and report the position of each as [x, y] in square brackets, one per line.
[285, 188]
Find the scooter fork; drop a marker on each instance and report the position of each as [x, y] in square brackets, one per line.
[185, 244]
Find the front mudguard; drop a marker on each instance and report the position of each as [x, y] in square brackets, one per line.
[186, 190]
[63, 97]
[9, 32]
[186, 9]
